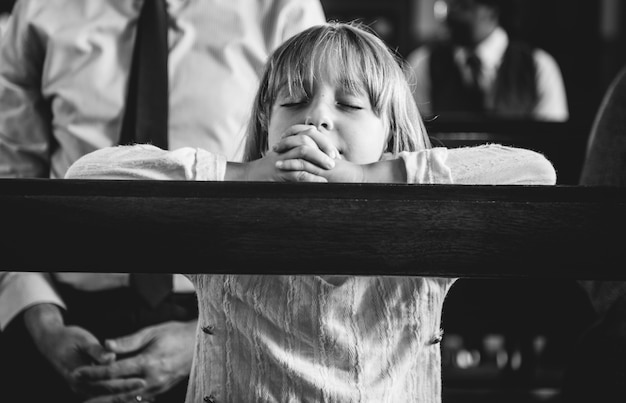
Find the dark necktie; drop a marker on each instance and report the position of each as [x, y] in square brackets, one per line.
[147, 101]
[145, 118]
[475, 66]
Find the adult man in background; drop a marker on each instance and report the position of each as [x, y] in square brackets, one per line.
[64, 74]
[479, 72]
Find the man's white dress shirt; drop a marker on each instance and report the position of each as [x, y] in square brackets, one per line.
[63, 76]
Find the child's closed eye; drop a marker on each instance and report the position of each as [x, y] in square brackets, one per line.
[350, 106]
[293, 103]
[351, 101]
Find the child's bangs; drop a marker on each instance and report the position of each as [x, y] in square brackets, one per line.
[358, 64]
[338, 56]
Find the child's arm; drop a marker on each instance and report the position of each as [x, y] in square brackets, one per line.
[481, 165]
[491, 164]
[152, 163]
[495, 164]
[148, 162]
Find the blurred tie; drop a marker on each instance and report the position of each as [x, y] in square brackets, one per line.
[146, 115]
[475, 67]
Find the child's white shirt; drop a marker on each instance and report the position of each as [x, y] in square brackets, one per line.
[319, 338]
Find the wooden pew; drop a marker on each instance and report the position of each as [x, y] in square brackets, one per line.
[523, 233]
[374, 229]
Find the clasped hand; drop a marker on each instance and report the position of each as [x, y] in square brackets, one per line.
[133, 368]
[147, 364]
[303, 154]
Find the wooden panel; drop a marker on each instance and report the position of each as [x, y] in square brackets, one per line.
[471, 231]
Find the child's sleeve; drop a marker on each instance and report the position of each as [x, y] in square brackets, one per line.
[490, 164]
[427, 166]
[149, 163]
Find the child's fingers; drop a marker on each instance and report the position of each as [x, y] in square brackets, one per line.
[311, 140]
[297, 170]
[323, 143]
[302, 176]
[295, 129]
[294, 141]
[313, 155]
[299, 134]
[298, 165]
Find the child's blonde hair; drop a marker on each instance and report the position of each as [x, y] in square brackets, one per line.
[362, 59]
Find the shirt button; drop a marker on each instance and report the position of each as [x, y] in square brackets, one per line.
[436, 338]
[210, 399]
[210, 329]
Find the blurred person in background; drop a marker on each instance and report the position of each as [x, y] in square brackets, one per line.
[479, 72]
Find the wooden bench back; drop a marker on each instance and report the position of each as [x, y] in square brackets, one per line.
[274, 228]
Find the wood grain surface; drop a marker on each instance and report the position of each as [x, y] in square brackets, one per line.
[274, 228]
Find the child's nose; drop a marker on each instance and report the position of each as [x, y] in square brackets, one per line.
[320, 118]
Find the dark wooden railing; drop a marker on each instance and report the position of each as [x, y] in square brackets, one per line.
[430, 230]
[523, 233]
